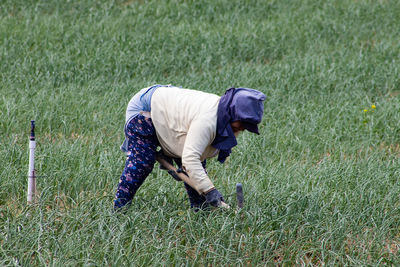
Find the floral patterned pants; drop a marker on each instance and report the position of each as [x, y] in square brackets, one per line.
[141, 156]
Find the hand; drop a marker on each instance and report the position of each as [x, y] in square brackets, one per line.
[214, 198]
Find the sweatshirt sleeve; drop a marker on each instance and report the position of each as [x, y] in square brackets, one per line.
[199, 136]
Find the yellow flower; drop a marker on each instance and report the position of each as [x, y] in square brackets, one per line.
[373, 107]
[365, 110]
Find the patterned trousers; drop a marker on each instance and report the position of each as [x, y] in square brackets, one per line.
[141, 156]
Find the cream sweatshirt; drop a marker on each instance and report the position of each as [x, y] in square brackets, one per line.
[186, 121]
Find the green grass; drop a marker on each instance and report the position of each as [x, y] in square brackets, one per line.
[321, 181]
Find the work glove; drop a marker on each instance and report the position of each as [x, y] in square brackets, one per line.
[214, 198]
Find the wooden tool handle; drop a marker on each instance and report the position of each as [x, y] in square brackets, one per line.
[181, 175]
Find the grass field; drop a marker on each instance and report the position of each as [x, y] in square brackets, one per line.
[321, 181]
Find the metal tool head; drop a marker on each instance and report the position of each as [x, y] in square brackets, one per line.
[239, 195]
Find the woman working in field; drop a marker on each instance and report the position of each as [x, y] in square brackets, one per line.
[188, 125]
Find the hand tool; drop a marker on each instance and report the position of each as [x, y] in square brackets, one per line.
[179, 174]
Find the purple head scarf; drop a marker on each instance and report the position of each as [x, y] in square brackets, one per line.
[238, 104]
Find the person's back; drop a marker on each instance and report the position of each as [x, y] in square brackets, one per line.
[175, 110]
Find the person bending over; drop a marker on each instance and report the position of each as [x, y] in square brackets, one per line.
[189, 126]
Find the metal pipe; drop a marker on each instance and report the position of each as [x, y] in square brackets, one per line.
[31, 173]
